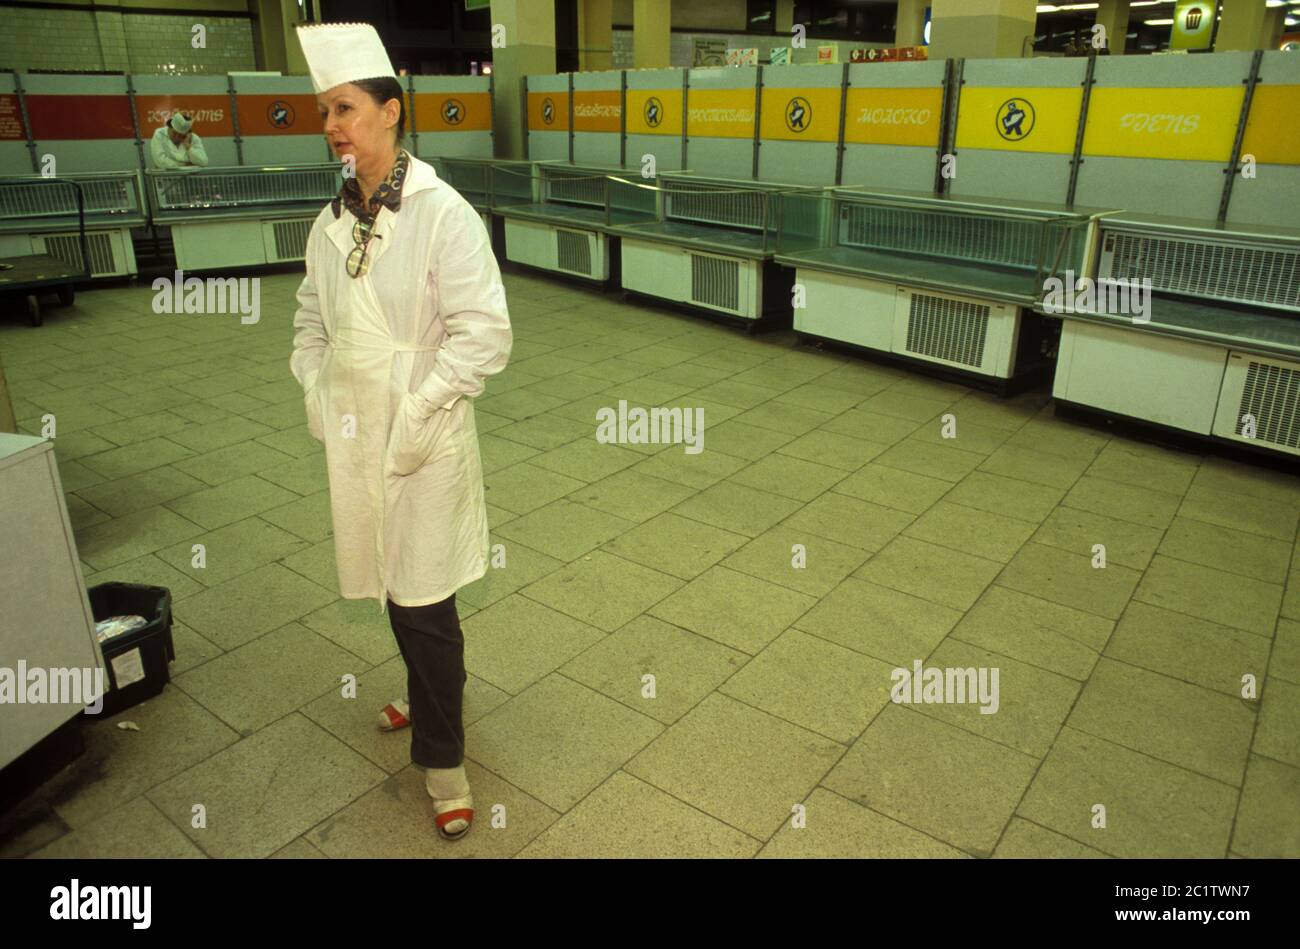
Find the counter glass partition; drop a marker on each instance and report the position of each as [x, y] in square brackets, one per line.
[721, 214]
[584, 195]
[471, 177]
[514, 184]
[237, 190]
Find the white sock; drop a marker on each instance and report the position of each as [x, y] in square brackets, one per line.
[446, 783]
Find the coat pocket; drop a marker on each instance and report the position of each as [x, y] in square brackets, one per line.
[315, 417]
[415, 440]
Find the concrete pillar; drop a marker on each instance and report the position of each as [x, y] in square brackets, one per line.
[1241, 24]
[1274, 27]
[651, 34]
[784, 20]
[295, 63]
[276, 40]
[909, 26]
[1113, 15]
[529, 50]
[595, 35]
[269, 36]
[982, 28]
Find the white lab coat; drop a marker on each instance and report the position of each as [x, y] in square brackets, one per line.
[390, 363]
[167, 154]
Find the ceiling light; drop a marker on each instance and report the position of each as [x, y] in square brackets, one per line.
[1158, 22]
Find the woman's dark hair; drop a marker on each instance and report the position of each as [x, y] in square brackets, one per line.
[381, 90]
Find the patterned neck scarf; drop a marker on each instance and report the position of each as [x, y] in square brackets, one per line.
[387, 195]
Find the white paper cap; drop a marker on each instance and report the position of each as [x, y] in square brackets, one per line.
[181, 124]
[343, 52]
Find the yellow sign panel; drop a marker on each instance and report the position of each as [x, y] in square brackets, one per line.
[1193, 24]
[801, 115]
[597, 110]
[1042, 119]
[453, 111]
[894, 116]
[548, 111]
[654, 112]
[720, 113]
[1193, 124]
[1272, 133]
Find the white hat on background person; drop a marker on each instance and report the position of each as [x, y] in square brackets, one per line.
[343, 52]
[180, 123]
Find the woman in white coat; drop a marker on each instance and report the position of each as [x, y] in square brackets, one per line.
[402, 316]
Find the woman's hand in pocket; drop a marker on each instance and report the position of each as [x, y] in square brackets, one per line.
[415, 435]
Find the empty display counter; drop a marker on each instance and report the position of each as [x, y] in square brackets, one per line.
[949, 283]
[35, 219]
[561, 217]
[709, 243]
[240, 217]
[472, 179]
[1217, 350]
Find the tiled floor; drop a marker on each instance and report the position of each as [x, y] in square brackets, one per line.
[1121, 728]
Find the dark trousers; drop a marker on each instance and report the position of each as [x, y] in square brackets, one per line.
[433, 646]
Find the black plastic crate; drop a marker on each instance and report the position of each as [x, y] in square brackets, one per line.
[139, 657]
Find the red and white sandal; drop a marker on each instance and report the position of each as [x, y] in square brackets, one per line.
[395, 715]
[453, 817]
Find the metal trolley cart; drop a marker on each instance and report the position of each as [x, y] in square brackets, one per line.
[35, 219]
[560, 217]
[948, 284]
[1217, 352]
[32, 274]
[241, 217]
[709, 243]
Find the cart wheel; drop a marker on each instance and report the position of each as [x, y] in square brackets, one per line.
[34, 310]
[67, 293]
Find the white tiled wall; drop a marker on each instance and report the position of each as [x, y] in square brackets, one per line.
[135, 43]
[165, 44]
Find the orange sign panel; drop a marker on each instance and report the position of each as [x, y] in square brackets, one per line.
[279, 115]
[548, 111]
[453, 111]
[597, 111]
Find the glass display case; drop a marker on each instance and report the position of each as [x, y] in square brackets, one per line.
[221, 218]
[237, 191]
[114, 197]
[471, 177]
[1213, 346]
[965, 245]
[591, 196]
[722, 215]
